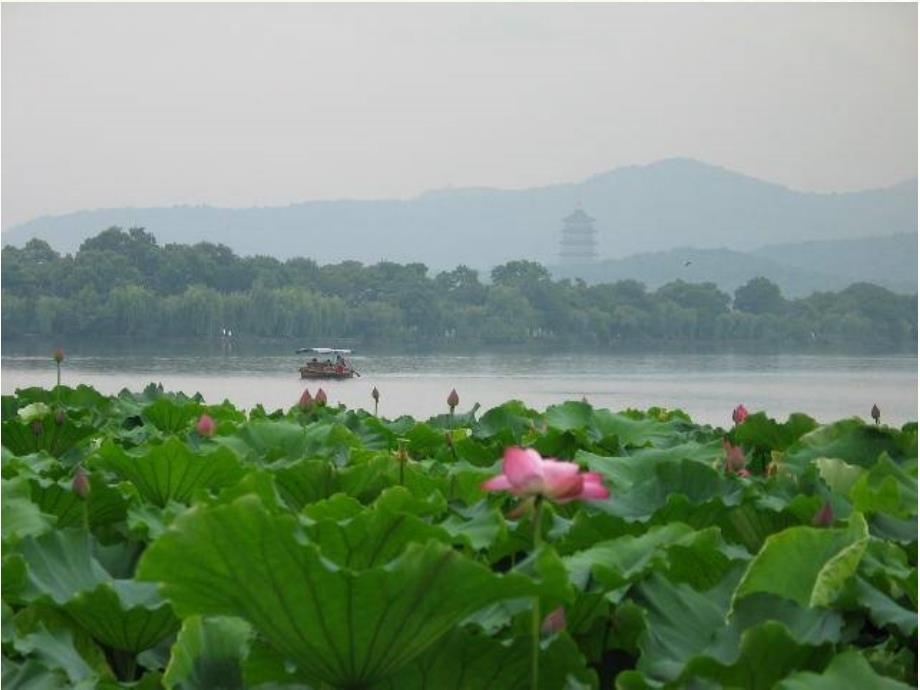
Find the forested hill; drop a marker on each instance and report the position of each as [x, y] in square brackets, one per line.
[656, 207]
[124, 283]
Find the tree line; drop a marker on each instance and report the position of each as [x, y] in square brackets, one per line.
[122, 283]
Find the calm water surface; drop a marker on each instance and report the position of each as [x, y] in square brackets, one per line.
[707, 386]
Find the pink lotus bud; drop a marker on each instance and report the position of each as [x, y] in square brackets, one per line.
[206, 426]
[453, 399]
[735, 460]
[375, 394]
[824, 517]
[321, 397]
[306, 400]
[554, 622]
[60, 417]
[80, 484]
[876, 413]
[38, 428]
[58, 355]
[739, 414]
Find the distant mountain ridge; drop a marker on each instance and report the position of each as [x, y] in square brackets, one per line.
[798, 268]
[639, 209]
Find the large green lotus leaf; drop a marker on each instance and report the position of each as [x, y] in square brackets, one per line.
[849, 440]
[208, 653]
[569, 416]
[766, 653]
[638, 433]
[171, 471]
[760, 430]
[56, 650]
[480, 526]
[619, 561]
[371, 538]
[305, 481]
[806, 564]
[505, 424]
[47, 435]
[123, 614]
[882, 609]
[268, 440]
[104, 504]
[147, 521]
[468, 660]
[41, 618]
[757, 517]
[32, 674]
[340, 626]
[838, 475]
[20, 517]
[641, 483]
[885, 488]
[691, 635]
[847, 671]
[172, 416]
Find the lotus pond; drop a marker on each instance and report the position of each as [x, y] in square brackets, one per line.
[151, 540]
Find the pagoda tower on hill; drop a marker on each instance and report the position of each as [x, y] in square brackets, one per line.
[578, 243]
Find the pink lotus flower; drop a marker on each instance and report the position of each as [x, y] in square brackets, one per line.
[320, 397]
[734, 459]
[526, 473]
[554, 622]
[206, 426]
[739, 414]
[306, 400]
[58, 355]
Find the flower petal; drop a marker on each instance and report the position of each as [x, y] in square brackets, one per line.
[522, 466]
[593, 488]
[561, 480]
[497, 483]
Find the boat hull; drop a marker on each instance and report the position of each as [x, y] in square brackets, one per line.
[307, 373]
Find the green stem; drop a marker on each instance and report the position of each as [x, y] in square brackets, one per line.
[402, 470]
[535, 617]
[58, 375]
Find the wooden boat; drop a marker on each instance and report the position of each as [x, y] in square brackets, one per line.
[326, 363]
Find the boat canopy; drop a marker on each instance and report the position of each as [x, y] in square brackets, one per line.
[323, 351]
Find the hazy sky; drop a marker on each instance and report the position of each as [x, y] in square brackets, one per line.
[239, 105]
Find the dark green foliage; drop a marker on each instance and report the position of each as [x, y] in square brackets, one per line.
[295, 551]
[123, 283]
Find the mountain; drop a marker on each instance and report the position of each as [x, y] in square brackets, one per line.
[888, 261]
[798, 268]
[651, 208]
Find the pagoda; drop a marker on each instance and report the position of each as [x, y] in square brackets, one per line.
[577, 244]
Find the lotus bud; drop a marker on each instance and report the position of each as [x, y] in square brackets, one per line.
[554, 622]
[306, 400]
[206, 426]
[453, 400]
[58, 355]
[375, 394]
[401, 454]
[321, 397]
[80, 484]
[37, 427]
[60, 417]
[739, 414]
[824, 517]
[876, 413]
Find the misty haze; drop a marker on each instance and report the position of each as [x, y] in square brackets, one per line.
[523, 346]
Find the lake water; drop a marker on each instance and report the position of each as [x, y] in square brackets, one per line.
[707, 386]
